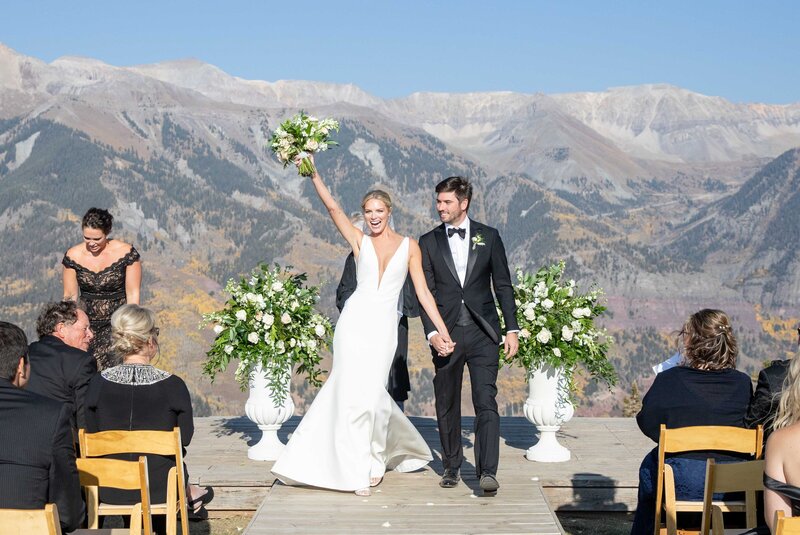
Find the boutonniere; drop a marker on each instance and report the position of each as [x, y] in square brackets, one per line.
[477, 240]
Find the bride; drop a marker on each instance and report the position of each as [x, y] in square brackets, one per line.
[353, 431]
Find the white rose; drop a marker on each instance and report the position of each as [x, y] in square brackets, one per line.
[252, 338]
[250, 296]
[277, 286]
[283, 156]
[517, 302]
[280, 347]
[312, 344]
[544, 336]
[578, 313]
[547, 304]
[320, 330]
[566, 333]
[576, 326]
[241, 315]
[228, 349]
[286, 319]
[524, 333]
[259, 315]
[295, 305]
[218, 329]
[529, 314]
[268, 320]
[540, 290]
[557, 352]
[311, 145]
[292, 342]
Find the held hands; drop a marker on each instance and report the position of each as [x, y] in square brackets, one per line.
[305, 165]
[443, 345]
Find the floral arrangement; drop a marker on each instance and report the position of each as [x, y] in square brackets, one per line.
[269, 322]
[299, 135]
[557, 326]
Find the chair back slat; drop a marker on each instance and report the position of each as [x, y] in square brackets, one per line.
[114, 442]
[786, 526]
[712, 437]
[109, 473]
[28, 521]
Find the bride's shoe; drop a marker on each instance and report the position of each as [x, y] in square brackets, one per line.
[375, 481]
[364, 492]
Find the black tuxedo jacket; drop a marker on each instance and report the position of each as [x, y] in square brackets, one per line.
[764, 405]
[62, 373]
[349, 281]
[487, 267]
[37, 460]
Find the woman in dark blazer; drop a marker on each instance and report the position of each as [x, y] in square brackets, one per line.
[706, 389]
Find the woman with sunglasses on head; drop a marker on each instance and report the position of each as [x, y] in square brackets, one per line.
[135, 395]
[104, 274]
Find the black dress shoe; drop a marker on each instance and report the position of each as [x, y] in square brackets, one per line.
[489, 483]
[450, 479]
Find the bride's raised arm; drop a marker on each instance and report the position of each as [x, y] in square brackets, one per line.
[340, 219]
[425, 297]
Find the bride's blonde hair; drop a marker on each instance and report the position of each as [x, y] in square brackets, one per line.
[379, 195]
[132, 328]
[789, 405]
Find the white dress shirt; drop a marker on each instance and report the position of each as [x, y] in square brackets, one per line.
[459, 248]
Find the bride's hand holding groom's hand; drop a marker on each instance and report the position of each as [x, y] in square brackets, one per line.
[444, 346]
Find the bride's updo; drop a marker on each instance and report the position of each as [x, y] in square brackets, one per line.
[378, 195]
[132, 328]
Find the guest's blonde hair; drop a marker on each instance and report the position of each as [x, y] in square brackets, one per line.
[789, 404]
[377, 194]
[132, 328]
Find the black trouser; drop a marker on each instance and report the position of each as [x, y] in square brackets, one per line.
[475, 349]
[399, 382]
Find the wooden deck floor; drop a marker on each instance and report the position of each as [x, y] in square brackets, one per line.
[601, 476]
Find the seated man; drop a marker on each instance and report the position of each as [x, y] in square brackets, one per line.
[37, 460]
[61, 368]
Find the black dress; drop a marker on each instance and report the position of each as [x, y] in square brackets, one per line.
[134, 397]
[102, 293]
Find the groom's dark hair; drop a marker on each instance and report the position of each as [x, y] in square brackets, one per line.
[458, 185]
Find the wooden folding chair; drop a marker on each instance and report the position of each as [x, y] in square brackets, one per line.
[166, 443]
[28, 521]
[126, 475]
[786, 526]
[696, 438]
[747, 477]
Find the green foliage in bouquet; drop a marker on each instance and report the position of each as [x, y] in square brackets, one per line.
[269, 322]
[557, 326]
[302, 134]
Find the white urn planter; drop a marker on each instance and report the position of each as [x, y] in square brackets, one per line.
[262, 409]
[548, 407]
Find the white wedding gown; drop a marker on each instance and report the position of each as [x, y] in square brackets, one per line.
[354, 430]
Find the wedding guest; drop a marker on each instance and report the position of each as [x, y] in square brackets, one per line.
[37, 460]
[61, 367]
[105, 274]
[135, 395]
[706, 389]
[764, 404]
[782, 471]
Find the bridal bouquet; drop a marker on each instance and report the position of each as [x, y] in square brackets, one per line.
[557, 325]
[269, 322]
[302, 134]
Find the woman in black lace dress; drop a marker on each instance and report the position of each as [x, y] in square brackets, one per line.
[104, 274]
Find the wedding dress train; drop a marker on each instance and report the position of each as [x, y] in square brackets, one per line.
[354, 430]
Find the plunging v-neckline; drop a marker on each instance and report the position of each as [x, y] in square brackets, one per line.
[389, 263]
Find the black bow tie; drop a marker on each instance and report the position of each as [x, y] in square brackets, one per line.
[460, 231]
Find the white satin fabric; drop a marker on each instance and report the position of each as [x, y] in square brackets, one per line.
[353, 429]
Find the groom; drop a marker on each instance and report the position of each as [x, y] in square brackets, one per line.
[462, 260]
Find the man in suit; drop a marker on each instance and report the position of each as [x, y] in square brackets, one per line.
[61, 367]
[399, 382]
[463, 260]
[37, 460]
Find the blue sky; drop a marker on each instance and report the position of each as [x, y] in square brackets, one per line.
[743, 51]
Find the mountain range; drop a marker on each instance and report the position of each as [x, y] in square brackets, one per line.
[668, 199]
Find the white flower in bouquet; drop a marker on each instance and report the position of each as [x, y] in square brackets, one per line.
[250, 296]
[540, 290]
[566, 334]
[581, 312]
[319, 330]
[544, 336]
[218, 329]
[292, 342]
[557, 352]
[529, 313]
[228, 349]
[241, 315]
[576, 326]
[268, 320]
[311, 344]
[294, 306]
[277, 286]
[252, 338]
[286, 319]
[547, 304]
[280, 346]
[524, 333]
